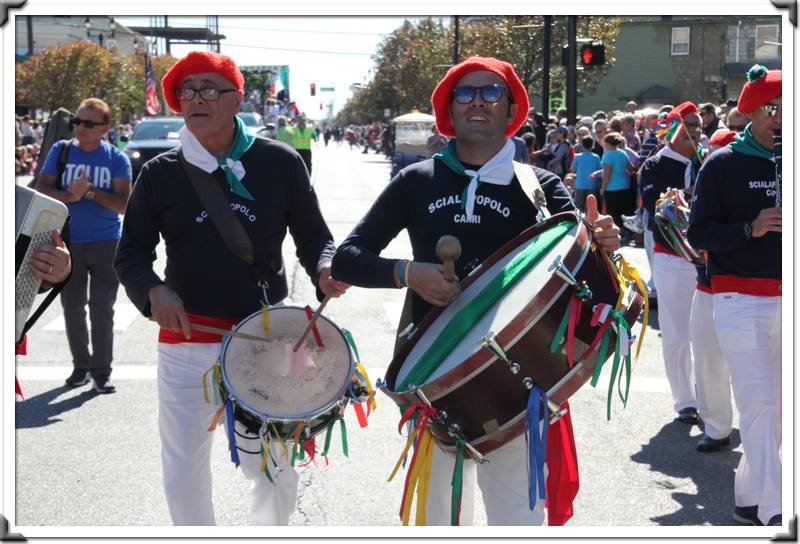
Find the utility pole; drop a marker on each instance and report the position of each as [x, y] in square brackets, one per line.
[547, 34]
[455, 40]
[572, 69]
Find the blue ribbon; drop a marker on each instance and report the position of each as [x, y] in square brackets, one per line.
[537, 446]
[231, 435]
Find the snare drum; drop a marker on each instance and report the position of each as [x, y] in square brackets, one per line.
[273, 389]
[481, 369]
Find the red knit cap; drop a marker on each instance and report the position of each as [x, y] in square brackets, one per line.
[722, 137]
[199, 62]
[762, 86]
[440, 99]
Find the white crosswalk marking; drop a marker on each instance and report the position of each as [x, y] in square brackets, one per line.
[124, 315]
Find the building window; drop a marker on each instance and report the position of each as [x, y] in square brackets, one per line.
[680, 40]
[767, 42]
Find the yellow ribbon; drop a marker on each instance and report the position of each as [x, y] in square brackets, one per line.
[280, 439]
[419, 480]
[265, 319]
[370, 391]
[215, 421]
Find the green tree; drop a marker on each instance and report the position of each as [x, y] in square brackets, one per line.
[65, 74]
[412, 59]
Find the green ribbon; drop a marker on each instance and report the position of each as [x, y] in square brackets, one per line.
[266, 465]
[331, 423]
[352, 342]
[457, 481]
[621, 323]
[242, 141]
[449, 158]
[746, 144]
[460, 325]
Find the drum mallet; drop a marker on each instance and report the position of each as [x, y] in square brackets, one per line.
[448, 249]
[311, 323]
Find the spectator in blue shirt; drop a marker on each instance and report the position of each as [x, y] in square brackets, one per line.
[584, 165]
[617, 170]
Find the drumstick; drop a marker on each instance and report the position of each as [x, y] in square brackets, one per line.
[226, 332]
[448, 249]
[311, 323]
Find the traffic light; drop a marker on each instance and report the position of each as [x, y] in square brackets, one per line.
[592, 54]
[313, 89]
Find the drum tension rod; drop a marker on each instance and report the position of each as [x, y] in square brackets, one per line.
[490, 343]
[453, 429]
[562, 271]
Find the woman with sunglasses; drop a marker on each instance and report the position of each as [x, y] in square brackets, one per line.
[95, 184]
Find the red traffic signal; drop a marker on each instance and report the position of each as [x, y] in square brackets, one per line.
[313, 89]
[593, 54]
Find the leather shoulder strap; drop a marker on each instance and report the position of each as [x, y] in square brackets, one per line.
[531, 187]
[218, 208]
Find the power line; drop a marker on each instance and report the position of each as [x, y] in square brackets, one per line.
[315, 51]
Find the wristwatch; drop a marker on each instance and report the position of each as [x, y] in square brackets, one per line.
[89, 195]
[748, 230]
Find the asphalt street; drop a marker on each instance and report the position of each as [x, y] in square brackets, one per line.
[87, 460]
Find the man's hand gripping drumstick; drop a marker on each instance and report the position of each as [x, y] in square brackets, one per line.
[437, 284]
[604, 232]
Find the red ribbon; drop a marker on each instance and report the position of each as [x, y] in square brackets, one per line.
[575, 306]
[425, 413]
[360, 415]
[317, 337]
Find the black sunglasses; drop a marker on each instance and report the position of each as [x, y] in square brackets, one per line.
[209, 94]
[491, 94]
[77, 121]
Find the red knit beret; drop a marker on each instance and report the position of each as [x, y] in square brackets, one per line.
[684, 109]
[440, 99]
[199, 62]
[722, 137]
[762, 86]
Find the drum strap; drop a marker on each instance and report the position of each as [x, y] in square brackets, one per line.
[531, 187]
[218, 207]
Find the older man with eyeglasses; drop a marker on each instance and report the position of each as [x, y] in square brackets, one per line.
[737, 217]
[481, 103]
[265, 185]
[94, 183]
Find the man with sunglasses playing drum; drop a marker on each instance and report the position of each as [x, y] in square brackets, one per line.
[95, 186]
[482, 103]
[737, 218]
[267, 187]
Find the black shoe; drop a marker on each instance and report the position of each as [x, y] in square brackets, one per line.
[77, 378]
[104, 386]
[747, 515]
[707, 444]
[689, 416]
[653, 302]
[775, 520]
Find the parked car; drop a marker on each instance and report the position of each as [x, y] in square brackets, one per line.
[151, 137]
[268, 131]
[252, 121]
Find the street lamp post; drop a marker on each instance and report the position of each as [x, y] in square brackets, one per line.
[112, 24]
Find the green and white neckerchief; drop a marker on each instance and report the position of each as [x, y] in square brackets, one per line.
[746, 144]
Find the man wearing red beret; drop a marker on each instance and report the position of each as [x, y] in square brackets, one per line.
[266, 185]
[481, 103]
[676, 166]
[736, 217]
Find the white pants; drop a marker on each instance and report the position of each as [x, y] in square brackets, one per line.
[710, 370]
[648, 248]
[675, 281]
[749, 331]
[503, 482]
[183, 421]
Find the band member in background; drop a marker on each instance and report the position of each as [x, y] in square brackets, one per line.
[676, 166]
[482, 103]
[735, 218]
[95, 186]
[205, 282]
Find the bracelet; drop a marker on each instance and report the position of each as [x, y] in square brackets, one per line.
[406, 278]
[398, 274]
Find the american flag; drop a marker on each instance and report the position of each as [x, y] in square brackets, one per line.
[151, 103]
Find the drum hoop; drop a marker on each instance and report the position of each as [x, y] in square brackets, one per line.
[308, 416]
[493, 358]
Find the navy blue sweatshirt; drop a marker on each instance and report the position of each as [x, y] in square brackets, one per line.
[425, 199]
[732, 189]
[659, 173]
[208, 277]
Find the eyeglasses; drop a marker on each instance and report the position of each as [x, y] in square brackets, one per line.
[208, 93]
[491, 94]
[77, 121]
[770, 109]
